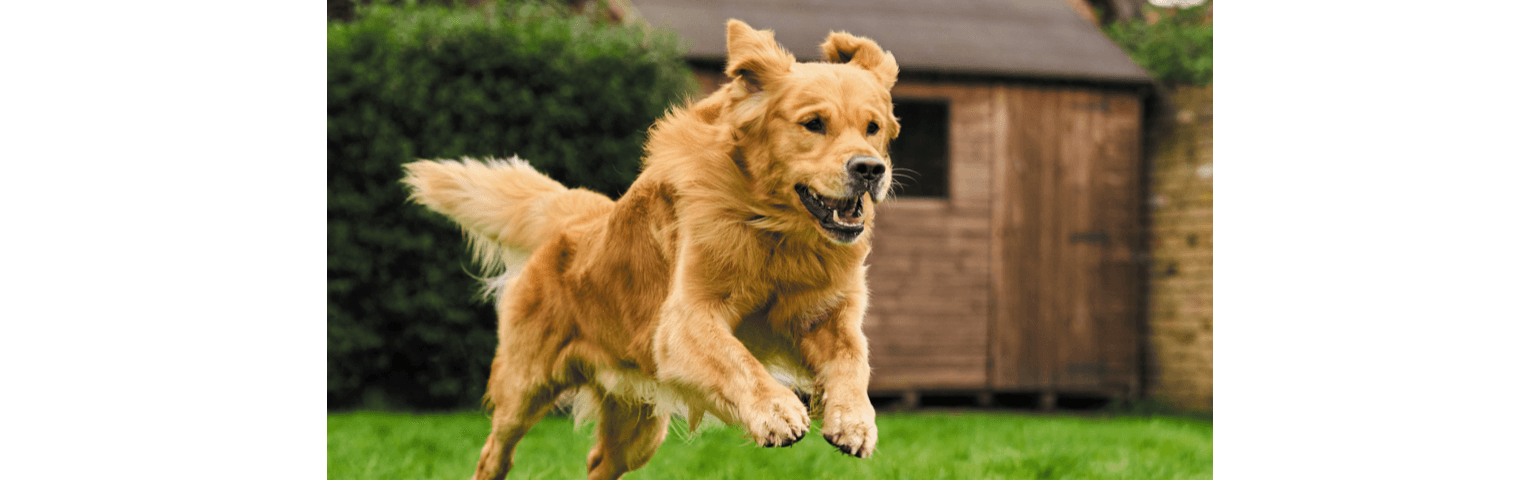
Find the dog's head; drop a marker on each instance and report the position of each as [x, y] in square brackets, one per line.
[813, 137]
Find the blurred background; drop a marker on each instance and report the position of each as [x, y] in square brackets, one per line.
[1051, 248]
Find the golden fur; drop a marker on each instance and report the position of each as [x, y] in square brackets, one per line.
[713, 271]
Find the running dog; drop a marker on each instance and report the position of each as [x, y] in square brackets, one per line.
[728, 275]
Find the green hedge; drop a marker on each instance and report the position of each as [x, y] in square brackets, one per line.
[1177, 49]
[571, 95]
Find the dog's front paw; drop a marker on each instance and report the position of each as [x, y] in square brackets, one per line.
[851, 427]
[777, 420]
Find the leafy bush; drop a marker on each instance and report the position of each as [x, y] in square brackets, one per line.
[572, 95]
[1178, 49]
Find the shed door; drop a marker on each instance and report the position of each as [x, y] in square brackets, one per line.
[1066, 229]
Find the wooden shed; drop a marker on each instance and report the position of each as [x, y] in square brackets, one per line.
[1008, 263]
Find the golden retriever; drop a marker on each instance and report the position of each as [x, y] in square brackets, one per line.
[728, 274]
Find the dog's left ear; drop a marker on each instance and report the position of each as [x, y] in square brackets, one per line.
[862, 52]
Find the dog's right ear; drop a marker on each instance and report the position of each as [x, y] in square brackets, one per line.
[754, 58]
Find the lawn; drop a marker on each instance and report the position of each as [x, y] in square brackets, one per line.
[920, 445]
[962, 445]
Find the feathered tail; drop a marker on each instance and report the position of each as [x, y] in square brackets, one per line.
[506, 208]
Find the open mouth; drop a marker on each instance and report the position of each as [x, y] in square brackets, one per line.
[841, 217]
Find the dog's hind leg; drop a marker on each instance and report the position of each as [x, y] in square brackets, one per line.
[520, 396]
[628, 435]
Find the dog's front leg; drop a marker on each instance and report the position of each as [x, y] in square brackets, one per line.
[696, 349]
[836, 350]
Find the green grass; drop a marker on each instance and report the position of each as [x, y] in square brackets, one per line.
[971, 445]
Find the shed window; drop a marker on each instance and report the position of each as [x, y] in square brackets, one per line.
[921, 153]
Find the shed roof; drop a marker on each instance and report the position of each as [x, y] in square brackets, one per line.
[1020, 38]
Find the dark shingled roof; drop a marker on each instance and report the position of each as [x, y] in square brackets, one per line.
[1020, 38]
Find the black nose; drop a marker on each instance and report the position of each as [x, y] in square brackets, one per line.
[866, 167]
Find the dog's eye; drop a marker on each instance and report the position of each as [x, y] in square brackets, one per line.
[815, 125]
[871, 128]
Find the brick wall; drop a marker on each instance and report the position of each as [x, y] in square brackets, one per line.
[1181, 293]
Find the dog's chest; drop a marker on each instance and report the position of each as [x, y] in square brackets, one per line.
[791, 270]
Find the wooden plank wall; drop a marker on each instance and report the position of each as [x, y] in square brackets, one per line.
[930, 262]
[1066, 286]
